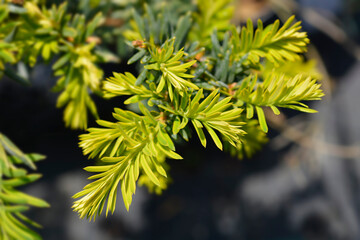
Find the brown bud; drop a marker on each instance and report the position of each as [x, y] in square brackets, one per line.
[138, 43]
[199, 55]
[231, 86]
[70, 39]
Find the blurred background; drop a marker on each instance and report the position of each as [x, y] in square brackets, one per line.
[304, 184]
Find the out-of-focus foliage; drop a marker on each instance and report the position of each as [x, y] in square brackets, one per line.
[6, 48]
[13, 223]
[210, 15]
[198, 75]
[291, 69]
[30, 31]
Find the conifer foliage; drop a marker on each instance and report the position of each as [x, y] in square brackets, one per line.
[29, 30]
[198, 76]
[210, 84]
[13, 203]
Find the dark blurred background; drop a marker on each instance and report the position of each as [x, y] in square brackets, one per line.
[304, 184]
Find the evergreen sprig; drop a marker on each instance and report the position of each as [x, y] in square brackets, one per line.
[196, 73]
[13, 203]
[277, 91]
[183, 87]
[275, 44]
[125, 84]
[210, 114]
[173, 71]
[134, 146]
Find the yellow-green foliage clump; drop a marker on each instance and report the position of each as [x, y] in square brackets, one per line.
[199, 76]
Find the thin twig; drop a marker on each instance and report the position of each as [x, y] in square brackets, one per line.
[302, 139]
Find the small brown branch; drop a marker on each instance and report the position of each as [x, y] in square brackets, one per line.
[304, 140]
